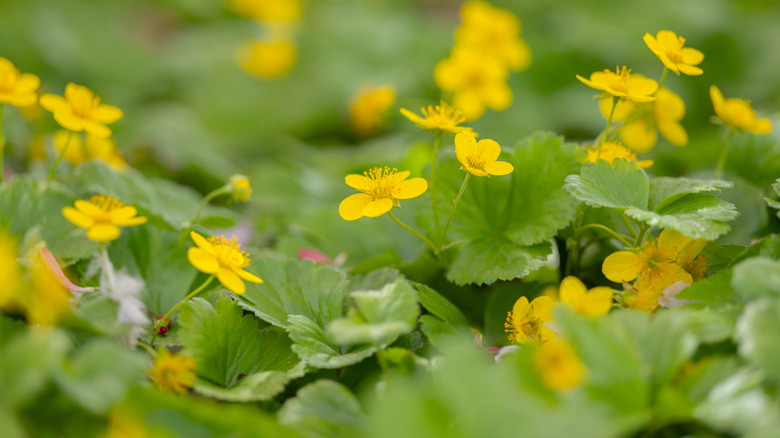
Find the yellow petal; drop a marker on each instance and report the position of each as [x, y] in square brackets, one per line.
[638, 136]
[107, 114]
[499, 168]
[597, 302]
[352, 208]
[231, 281]
[378, 207]
[488, 149]
[651, 42]
[96, 128]
[103, 232]
[248, 276]
[202, 260]
[763, 126]
[88, 208]
[691, 56]
[356, 181]
[53, 102]
[202, 242]
[690, 70]
[129, 222]
[122, 213]
[77, 218]
[412, 116]
[717, 99]
[520, 307]
[571, 291]
[410, 188]
[621, 266]
[69, 121]
[542, 307]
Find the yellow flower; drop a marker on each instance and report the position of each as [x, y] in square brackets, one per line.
[559, 365]
[688, 250]
[645, 299]
[78, 151]
[668, 47]
[477, 80]
[223, 257]
[622, 84]
[16, 88]
[479, 158]
[268, 10]
[494, 31]
[48, 299]
[641, 121]
[81, 110]
[590, 303]
[655, 264]
[381, 189]
[9, 273]
[367, 107]
[173, 371]
[738, 114]
[240, 188]
[526, 322]
[270, 59]
[442, 117]
[611, 150]
[102, 216]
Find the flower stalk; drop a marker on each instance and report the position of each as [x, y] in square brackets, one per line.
[436, 144]
[415, 232]
[454, 206]
[191, 295]
[724, 152]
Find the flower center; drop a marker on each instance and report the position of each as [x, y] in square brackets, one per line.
[107, 204]
[443, 114]
[381, 181]
[228, 252]
[83, 102]
[477, 161]
[618, 81]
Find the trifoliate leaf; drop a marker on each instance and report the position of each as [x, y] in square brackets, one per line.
[379, 316]
[695, 215]
[620, 184]
[293, 287]
[665, 190]
[223, 342]
[323, 409]
[757, 331]
[757, 277]
[503, 220]
[312, 345]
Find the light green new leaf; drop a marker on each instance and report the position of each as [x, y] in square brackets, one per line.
[293, 287]
[665, 190]
[485, 260]
[379, 316]
[435, 303]
[695, 215]
[620, 184]
[223, 342]
[757, 331]
[312, 345]
[323, 409]
[757, 277]
[502, 220]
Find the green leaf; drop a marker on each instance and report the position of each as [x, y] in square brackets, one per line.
[323, 409]
[485, 260]
[756, 277]
[695, 215]
[311, 345]
[27, 362]
[293, 287]
[99, 375]
[378, 317]
[506, 219]
[620, 184]
[757, 331]
[665, 190]
[223, 342]
[273, 370]
[713, 290]
[771, 202]
[435, 303]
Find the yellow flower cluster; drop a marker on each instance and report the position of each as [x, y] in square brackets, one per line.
[655, 266]
[41, 298]
[273, 56]
[611, 150]
[487, 46]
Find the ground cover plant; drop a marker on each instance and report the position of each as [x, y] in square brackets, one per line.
[372, 218]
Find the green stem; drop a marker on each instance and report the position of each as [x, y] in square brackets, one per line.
[183, 300]
[630, 225]
[609, 120]
[661, 82]
[436, 143]
[415, 232]
[640, 238]
[2, 144]
[60, 156]
[617, 236]
[724, 152]
[147, 347]
[206, 199]
[454, 206]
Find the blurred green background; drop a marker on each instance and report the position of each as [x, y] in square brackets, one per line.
[193, 116]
